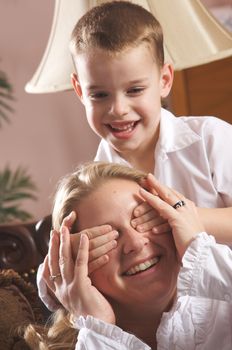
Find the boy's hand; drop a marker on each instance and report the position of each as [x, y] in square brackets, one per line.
[147, 219]
[102, 239]
[184, 221]
[69, 279]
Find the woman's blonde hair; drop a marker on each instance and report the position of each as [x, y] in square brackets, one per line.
[70, 191]
[73, 187]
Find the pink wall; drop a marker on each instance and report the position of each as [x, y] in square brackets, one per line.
[48, 133]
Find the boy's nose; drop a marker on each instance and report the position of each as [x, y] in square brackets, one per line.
[119, 106]
[134, 241]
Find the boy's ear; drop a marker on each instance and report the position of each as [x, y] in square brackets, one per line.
[76, 85]
[166, 79]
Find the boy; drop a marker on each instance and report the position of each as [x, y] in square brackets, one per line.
[121, 78]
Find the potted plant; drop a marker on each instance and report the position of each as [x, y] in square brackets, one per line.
[15, 185]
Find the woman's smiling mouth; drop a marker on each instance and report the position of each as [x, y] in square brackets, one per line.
[142, 267]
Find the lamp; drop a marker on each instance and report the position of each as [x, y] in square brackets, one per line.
[192, 37]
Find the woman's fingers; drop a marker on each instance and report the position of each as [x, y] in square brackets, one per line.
[81, 265]
[65, 256]
[53, 258]
[69, 220]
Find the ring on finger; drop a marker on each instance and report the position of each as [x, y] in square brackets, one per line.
[53, 277]
[178, 204]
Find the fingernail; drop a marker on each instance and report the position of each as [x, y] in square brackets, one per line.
[114, 243]
[71, 215]
[133, 223]
[139, 228]
[63, 230]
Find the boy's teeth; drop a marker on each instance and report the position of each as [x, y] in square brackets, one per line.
[125, 127]
[142, 267]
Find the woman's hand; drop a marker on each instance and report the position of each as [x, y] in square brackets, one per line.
[184, 221]
[69, 278]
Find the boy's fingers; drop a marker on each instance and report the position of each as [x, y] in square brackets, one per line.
[100, 238]
[167, 194]
[102, 250]
[141, 209]
[147, 226]
[164, 209]
[97, 231]
[97, 263]
[150, 215]
[103, 239]
[163, 228]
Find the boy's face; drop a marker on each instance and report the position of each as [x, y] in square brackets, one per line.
[122, 96]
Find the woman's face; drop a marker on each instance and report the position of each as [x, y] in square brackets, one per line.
[143, 267]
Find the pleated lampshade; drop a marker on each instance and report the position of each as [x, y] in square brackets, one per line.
[192, 37]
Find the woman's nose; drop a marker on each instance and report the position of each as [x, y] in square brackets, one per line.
[134, 241]
[119, 106]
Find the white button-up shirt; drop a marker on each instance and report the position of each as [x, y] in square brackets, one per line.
[193, 155]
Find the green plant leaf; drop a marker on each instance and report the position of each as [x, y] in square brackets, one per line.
[6, 93]
[15, 187]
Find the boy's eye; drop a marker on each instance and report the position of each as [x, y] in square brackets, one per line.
[98, 95]
[135, 90]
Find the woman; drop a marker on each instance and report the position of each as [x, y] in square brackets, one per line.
[143, 289]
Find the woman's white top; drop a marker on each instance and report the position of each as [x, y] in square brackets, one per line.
[201, 317]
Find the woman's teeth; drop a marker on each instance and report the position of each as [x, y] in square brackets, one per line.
[142, 267]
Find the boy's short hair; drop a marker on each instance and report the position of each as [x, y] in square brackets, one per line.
[115, 26]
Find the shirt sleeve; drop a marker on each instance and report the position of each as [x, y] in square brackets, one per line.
[95, 334]
[217, 135]
[43, 293]
[206, 270]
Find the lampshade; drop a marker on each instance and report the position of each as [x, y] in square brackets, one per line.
[192, 37]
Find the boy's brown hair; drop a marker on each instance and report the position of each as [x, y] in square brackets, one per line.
[115, 26]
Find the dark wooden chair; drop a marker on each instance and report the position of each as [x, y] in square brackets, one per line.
[22, 248]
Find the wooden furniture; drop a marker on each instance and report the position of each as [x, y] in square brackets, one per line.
[204, 90]
[22, 248]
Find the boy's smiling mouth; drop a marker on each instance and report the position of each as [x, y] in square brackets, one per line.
[142, 267]
[122, 129]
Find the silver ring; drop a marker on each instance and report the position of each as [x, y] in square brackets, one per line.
[53, 277]
[178, 204]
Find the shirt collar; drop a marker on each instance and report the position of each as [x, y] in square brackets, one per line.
[175, 134]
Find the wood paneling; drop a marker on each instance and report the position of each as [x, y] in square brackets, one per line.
[204, 90]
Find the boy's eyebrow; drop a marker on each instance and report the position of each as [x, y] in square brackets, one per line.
[131, 82]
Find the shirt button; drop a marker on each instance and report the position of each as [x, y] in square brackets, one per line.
[227, 297]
